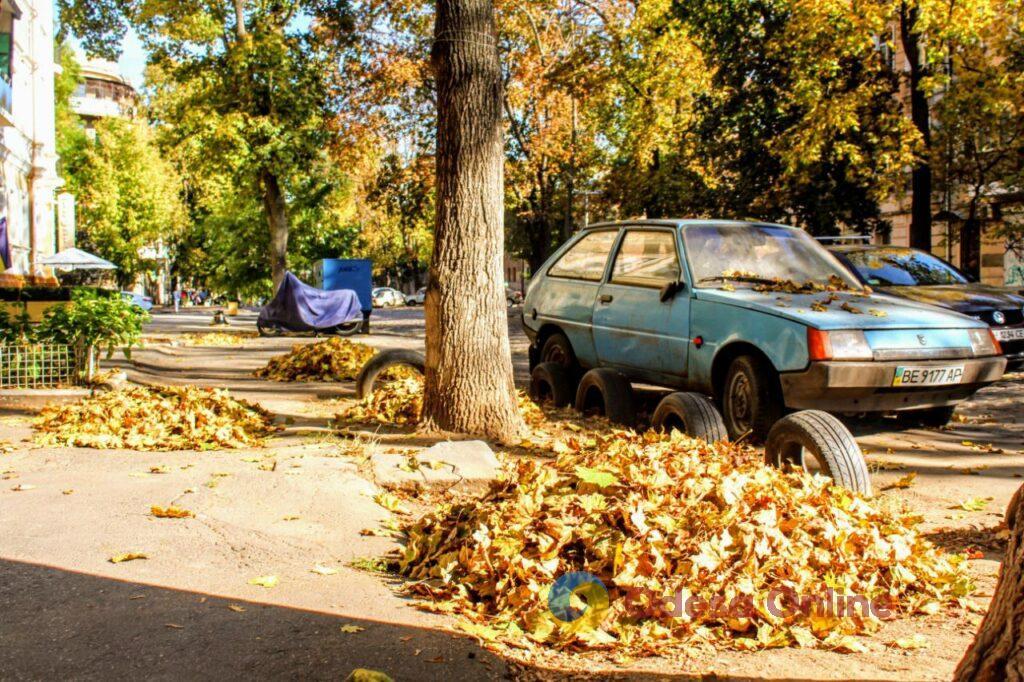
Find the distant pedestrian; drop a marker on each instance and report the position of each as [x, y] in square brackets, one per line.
[177, 299]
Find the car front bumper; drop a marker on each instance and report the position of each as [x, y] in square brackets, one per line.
[867, 386]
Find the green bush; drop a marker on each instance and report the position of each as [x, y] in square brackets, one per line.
[94, 321]
[16, 328]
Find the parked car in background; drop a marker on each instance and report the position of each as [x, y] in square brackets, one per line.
[138, 300]
[513, 296]
[417, 298]
[920, 276]
[386, 297]
[759, 316]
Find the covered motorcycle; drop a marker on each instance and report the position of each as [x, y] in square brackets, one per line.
[298, 307]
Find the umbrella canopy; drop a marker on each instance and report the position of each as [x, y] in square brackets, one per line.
[76, 259]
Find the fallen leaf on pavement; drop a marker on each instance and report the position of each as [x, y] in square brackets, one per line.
[323, 570]
[174, 626]
[264, 581]
[127, 556]
[349, 629]
[236, 608]
[22, 487]
[975, 504]
[904, 481]
[159, 470]
[917, 641]
[170, 512]
[390, 502]
[67, 492]
[366, 675]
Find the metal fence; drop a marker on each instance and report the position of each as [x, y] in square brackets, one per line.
[37, 366]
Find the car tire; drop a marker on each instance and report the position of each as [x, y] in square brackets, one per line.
[382, 361]
[551, 382]
[269, 330]
[827, 440]
[751, 398]
[691, 413]
[606, 391]
[348, 328]
[932, 416]
[557, 349]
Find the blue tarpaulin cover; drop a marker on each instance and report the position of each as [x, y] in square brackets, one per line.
[299, 307]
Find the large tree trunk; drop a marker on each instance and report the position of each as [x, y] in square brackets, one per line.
[469, 386]
[921, 174]
[998, 649]
[277, 220]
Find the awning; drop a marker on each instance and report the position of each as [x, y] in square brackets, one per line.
[76, 259]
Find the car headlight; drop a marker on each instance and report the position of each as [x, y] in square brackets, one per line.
[844, 344]
[983, 342]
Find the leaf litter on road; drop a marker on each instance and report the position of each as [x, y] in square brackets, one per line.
[334, 359]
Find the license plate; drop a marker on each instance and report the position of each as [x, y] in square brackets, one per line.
[1009, 334]
[928, 376]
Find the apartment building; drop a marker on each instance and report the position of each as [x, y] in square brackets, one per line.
[28, 157]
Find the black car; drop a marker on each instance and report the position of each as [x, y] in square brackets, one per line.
[920, 276]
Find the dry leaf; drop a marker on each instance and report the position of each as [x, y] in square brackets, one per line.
[323, 570]
[128, 556]
[236, 608]
[350, 629]
[264, 581]
[170, 512]
[23, 487]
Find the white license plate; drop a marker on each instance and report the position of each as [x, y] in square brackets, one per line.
[1009, 334]
[928, 376]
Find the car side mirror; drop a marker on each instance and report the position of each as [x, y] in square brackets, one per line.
[669, 291]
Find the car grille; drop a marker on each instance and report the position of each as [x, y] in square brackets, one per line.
[920, 354]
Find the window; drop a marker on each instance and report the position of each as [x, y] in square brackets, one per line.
[586, 260]
[903, 267]
[647, 258]
[5, 56]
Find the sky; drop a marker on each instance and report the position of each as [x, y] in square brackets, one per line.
[133, 59]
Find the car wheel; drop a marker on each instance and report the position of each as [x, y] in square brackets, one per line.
[269, 330]
[691, 413]
[819, 443]
[604, 391]
[551, 382]
[348, 328]
[383, 361]
[932, 416]
[751, 398]
[558, 350]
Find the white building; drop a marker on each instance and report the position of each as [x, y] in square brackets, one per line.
[28, 157]
[103, 93]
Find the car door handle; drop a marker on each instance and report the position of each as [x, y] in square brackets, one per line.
[606, 298]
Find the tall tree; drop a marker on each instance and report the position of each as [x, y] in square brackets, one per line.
[469, 385]
[254, 74]
[919, 70]
[997, 652]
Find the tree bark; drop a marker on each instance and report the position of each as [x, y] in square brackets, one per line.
[469, 385]
[277, 219]
[998, 649]
[921, 174]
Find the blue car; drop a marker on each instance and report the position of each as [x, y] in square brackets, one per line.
[138, 300]
[758, 316]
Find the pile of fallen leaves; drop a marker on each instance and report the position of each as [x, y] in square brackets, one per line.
[397, 401]
[167, 418]
[744, 555]
[335, 359]
[214, 339]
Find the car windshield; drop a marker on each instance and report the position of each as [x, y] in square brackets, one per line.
[903, 267]
[762, 256]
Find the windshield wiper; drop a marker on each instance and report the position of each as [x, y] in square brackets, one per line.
[738, 278]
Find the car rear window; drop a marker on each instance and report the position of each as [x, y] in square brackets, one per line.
[903, 267]
[586, 260]
[647, 258]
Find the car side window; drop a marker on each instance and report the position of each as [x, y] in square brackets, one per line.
[647, 258]
[587, 259]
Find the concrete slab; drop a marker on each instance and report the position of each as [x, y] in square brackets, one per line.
[462, 466]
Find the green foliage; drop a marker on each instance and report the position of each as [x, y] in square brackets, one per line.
[128, 195]
[94, 320]
[16, 328]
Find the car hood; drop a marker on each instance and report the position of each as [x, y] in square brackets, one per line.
[964, 298]
[846, 311]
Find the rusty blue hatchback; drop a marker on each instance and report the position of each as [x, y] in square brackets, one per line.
[759, 316]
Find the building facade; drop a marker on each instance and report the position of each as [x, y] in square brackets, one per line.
[103, 93]
[28, 156]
